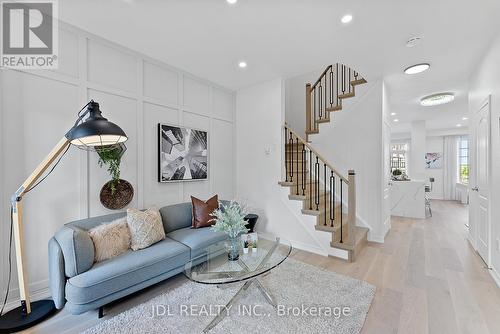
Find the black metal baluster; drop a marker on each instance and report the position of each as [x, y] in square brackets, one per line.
[337, 96]
[324, 182]
[349, 81]
[297, 156]
[320, 101]
[326, 86]
[331, 86]
[286, 156]
[316, 172]
[310, 180]
[341, 209]
[290, 144]
[304, 167]
[332, 198]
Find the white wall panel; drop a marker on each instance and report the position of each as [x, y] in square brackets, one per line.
[161, 84]
[109, 66]
[223, 104]
[122, 111]
[68, 53]
[37, 114]
[222, 145]
[156, 193]
[196, 96]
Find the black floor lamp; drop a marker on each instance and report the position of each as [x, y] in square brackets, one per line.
[93, 133]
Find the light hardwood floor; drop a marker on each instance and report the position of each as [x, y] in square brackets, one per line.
[428, 279]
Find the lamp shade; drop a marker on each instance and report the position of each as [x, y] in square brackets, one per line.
[96, 130]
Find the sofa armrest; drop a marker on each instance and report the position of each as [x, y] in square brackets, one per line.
[57, 278]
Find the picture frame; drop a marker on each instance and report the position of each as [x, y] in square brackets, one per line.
[183, 153]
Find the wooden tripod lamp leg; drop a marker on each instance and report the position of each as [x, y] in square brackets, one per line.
[17, 217]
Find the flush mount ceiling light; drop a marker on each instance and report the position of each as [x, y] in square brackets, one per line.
[393, 114]
[396, 120]
[242, 64]
[418, 68]
[464, 118]
[437, 99]
[231, 2]
[414, 41]
[346, 18]
[459, 125]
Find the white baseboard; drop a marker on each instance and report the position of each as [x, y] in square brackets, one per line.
[35, 295]
[495, 275]
[296, 244]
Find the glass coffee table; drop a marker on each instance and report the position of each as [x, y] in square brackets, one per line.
[214, 267]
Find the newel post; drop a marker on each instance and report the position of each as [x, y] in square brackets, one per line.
[351, 214]
[308, 107]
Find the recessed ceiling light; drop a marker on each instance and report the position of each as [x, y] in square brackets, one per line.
[242, 64]
[346, 18]
[459, 125]
[413, 42]
[465, 118]
[418, 68]
[393, 114]
[437, 99]
[396, 120]
[232, 2]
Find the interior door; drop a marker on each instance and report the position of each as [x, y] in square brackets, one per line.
[480, 191]
[386, 182]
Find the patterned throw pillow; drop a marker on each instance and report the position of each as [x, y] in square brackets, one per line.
[146, 227]
[110, 239]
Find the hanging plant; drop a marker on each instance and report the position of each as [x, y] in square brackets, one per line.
[111, 157]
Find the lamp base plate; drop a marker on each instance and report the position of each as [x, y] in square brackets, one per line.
[15, 321]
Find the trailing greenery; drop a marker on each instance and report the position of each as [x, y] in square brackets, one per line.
[230, 220]
[111, 157]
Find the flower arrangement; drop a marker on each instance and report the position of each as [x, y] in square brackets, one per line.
[230, 219]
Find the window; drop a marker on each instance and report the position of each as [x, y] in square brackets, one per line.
[398, 157]
[463, 160]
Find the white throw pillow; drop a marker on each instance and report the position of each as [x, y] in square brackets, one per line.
[146, 227]
[110, 239]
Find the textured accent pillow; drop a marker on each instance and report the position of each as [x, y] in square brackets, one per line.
[146, 227]
[110, 239]
[202, 211]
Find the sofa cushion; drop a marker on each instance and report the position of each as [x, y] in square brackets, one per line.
[202, 211]
[126, 270]
[146, 227]
[197, 239]
[77, 248]
[176, 216]
[110, 240]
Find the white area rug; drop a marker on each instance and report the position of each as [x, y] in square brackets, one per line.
[310, 300]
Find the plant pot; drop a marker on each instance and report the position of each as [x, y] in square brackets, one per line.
[123, 195]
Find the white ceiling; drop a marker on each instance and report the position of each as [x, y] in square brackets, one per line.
[282, 38]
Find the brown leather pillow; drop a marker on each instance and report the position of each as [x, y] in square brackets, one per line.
[202, 211]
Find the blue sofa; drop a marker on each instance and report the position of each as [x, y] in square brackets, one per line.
[80, 285]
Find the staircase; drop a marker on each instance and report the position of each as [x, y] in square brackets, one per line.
[325, 193]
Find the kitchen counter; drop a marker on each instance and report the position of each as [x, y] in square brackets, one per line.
[408, 199]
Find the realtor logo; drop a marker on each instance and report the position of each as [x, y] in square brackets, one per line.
[29, 34]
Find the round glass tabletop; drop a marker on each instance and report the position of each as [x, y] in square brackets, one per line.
[215, 267]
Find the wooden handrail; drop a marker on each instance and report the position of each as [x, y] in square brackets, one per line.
[316, 153]
[321, 76]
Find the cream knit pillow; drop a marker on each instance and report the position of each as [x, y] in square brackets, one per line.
[146, 227]
[110, 239]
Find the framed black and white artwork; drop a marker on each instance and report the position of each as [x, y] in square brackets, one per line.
[182, 153]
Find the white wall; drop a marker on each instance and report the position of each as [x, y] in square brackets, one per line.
[486, 81]
[435, 144]
[417, 151]
[259, 121]
[295, 105]
[134, 91]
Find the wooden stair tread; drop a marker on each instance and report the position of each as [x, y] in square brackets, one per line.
[335, 108]
[360, 234]
[347, 95]
[358, 82]
[323, 120]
